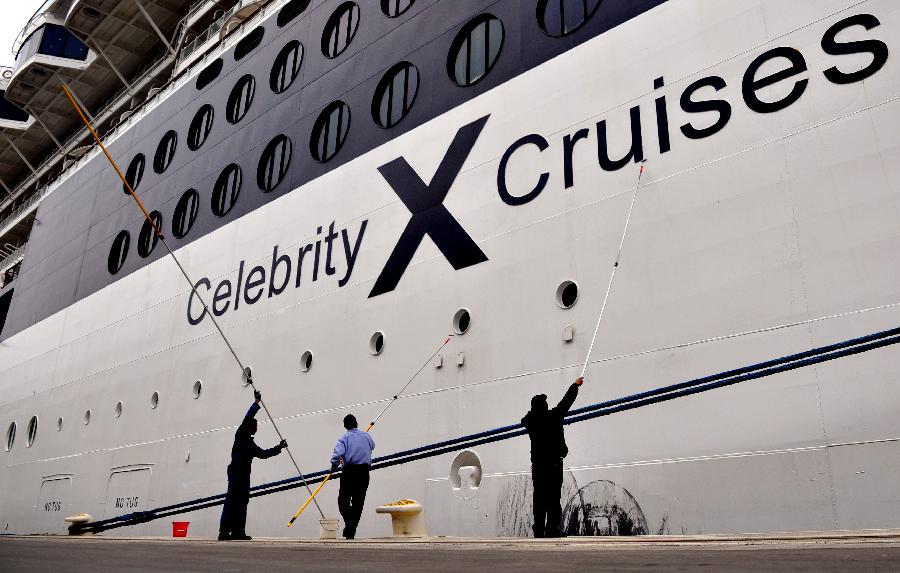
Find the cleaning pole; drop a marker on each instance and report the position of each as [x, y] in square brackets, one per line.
[612, 277]
[244, 370]
[312, 496]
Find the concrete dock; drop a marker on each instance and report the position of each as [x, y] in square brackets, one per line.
[874, 550]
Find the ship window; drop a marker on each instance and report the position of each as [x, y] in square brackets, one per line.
[185, 213]
[87, 417]
[559, 18]
[340, 29]
[274, 163]
[165, 151]
[148, 238]
[330, 131]
[59, 42]
[154, 400]
[226, 190]
[197, 389]
[376, 343]
[306, 361]
[286, 67]
[475, 49]
[249, 43]
[461, 321]
[135, 173]
[290, 11]
[201, 125]
[118, 252]
[394, 8]
[118, 410]
[209, 74]
[395, 94]
[59, 424]
[9, 111]
[567, 294]
[10, 436]
[241, 99]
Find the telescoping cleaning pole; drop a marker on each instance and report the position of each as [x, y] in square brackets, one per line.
[615, 268]
[312, 496]
[244, 370]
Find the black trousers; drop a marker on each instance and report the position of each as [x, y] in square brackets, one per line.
[547, 477]
[234, 512]
[352, 496]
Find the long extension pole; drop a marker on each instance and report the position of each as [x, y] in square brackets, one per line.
[615, 268]
[159, 235]
[312, 496]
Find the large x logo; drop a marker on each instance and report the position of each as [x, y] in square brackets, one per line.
[429, 216]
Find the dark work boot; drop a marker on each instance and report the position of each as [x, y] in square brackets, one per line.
[240, 536]
[224, 536]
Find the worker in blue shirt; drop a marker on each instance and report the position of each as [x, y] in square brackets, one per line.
[234, 512]
[354, 452]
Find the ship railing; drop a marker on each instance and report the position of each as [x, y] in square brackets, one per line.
[179, 79]
[12, 259]
[213, 30]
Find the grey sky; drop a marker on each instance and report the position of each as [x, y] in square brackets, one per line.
[15, 15]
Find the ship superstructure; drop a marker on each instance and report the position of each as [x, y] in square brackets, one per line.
[347, 182]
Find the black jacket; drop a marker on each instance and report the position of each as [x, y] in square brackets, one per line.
[546, 429]
[245, 449]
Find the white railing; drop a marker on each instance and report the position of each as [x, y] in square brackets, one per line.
[214, 29]
[10, 260]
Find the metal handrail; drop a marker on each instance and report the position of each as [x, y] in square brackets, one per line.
[23, 35]
[10, 260]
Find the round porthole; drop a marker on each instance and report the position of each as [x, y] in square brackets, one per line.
[376, 343]
[462, 321]
[147, 238]
[135, 173]
[118, 252]
[246, 376]
[165, 151]
[185, 213]
[330, 131]
[559, 18]
[567, 294]
[32, 431]
[200, 127]
[286, 67]
[59, 424]
[306, 360]
[154, 400]
[241, 99]
[475, 50]
[87, 417]
[394, 8]
[226, 190]
[395, 94]
[274, 163]
[10, 436]
[340, 29]
[119, 409]
[197, 389]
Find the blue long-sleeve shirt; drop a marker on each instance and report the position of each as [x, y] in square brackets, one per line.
[355, 448]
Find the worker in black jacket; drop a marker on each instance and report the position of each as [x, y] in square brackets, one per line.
[548, 448]
[234, 512]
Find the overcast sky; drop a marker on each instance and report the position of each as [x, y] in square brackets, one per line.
[15, 15]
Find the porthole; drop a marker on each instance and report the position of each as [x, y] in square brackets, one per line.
[567, 294]
[134, 173]
[475, 50]
[59, 424]
[249, 43]
[226, 190]
[559, 18]
[209, 73]
[31, 434]
[395, 94]
[118, 252]
[185, 213]
[10, 436]
[394, 8]
[306, 361]
[461, 321]
[148, 238]
[197, 389]
[290, 11]
[286, 67]
[376, 343]
[154, 400]
[165, 151]
[87, 417]
[274, 163]
[118, 410]
[340, 29]
[330, 131]
[240, 99]
[201, 125]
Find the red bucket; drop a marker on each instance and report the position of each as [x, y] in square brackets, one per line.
[179, 528]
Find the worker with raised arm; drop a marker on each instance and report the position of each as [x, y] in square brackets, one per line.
[353, 454]
[234, 512]
[548, 448]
